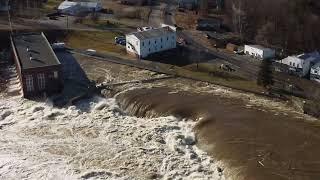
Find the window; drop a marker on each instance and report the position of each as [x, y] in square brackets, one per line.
[167, 38]
[161, 40]
[142, 43]
[149, 42]
[316, 72]
[155, 41]
[290, 63]
[29, 83]
[161, 47]
[41, 81]
[55, 74]
[149, 49]
[293, 64]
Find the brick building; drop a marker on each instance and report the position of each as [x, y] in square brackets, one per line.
[38, 68]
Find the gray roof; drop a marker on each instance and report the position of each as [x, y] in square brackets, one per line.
[316, 66]
[158, 32]
[34, 45]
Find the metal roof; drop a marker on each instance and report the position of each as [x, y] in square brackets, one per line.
[34, 51]
[158, 32]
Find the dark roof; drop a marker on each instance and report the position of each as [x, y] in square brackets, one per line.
[34, 50]
[152, 33]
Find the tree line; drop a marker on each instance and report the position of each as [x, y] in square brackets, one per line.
[289, 25]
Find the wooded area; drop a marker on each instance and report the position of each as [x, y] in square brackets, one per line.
[292, 25]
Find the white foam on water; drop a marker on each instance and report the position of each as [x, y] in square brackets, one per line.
[95, 139]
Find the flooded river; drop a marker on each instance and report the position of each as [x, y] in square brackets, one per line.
[255, 143]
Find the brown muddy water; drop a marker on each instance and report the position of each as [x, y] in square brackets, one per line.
[254, 144]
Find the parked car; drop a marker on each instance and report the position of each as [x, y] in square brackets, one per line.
[118, 39]
[122, 42]
[58, 46]
[147, 28]
[91, 51]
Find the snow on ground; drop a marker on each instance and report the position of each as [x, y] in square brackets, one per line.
[95, 140]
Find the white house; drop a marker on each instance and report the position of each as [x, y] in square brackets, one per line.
[302, 63]
[77, 7]
[315, 72]
[144, 43]
[259, 52]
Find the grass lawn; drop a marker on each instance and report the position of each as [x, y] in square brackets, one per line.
[211, 73]
[103, 24]
[50, 6]
[101, 41]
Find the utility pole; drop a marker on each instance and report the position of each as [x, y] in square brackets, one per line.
[9, 16]
[240, 23]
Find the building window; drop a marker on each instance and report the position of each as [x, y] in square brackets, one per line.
[29, 83]
[155, 41]
[167, 38]
[290, 63]
[161, 47]
[293, 64]
[161, 39]
[316, 72]
[149, 42]
[149, 49]
[41, 81]
[142, 43]
[55, 74]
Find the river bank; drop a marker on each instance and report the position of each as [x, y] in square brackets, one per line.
[255, 137]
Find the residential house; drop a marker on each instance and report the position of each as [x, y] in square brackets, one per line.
[187, 4]
[259, 52]
[143, 43]
[38, 68]
[78, 7]
[300, 65]
[315, 72]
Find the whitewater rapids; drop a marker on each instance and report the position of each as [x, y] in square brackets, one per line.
[95, 139]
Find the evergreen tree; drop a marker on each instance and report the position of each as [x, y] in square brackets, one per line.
[265, 77]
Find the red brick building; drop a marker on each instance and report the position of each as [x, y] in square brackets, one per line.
[38, 68]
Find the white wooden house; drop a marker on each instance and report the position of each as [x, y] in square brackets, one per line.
[315, 72]
[259, 52]
[141, 44]
[301, 64]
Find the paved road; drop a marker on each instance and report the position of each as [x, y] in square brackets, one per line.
[241, 63]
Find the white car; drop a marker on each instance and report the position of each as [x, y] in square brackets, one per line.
[91, 51]
[146, 28]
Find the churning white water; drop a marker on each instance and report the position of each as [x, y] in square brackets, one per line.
[96, 140]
